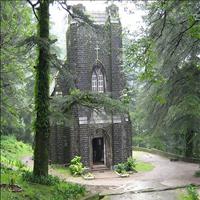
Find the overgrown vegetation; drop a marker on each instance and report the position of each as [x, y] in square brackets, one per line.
[57, 191]
[14, 172]
[13, 150]
[44, 180]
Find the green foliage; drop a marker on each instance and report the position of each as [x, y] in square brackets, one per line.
[197, 173]
[13, 150]
[16, 69]
[149, 141]
[44, 188]
[76, 160]
[127, 166]
[70, 191]
[192, 194]
[144, 167]
[87, 99]
[166, 60]
[59, 191]
[120, 168]
[76, 167]
[43, 180]
[130, 164]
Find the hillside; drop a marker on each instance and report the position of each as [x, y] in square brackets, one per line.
[14, 176]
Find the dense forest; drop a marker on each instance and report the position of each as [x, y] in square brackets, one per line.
[162, 67]
[165, 66]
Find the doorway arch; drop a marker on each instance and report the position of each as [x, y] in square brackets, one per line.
[100, 154]
[98, 151]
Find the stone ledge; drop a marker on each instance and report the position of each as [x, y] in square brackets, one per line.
[166, 154]
[91, 197]
[147, 190]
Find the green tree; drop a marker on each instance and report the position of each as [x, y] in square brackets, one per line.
[168, 61]
[42, 94]
[16, 69]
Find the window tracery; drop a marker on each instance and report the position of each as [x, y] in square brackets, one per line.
[98, 81]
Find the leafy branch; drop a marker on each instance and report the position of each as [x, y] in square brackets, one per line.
[87, 99]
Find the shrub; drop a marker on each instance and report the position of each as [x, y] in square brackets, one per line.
[70, 191]
[44, 180]
[197, 173]
[127, 166]
[192, 193]
[76, 167]
[120, 168]
[130, 164]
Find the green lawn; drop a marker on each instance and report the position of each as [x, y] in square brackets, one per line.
[143, 167]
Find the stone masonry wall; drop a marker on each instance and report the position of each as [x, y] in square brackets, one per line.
[59, 144]
[65, 143]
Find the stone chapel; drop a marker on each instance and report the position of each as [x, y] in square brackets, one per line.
[94, 56]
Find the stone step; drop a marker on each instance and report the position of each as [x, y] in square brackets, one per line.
[99, 168]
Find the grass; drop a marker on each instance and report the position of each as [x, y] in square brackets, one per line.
[11, 153]
[61, 169]
[32, 191]
[143, 166]
[13, 150]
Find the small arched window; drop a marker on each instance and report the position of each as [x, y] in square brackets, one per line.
[98, 81]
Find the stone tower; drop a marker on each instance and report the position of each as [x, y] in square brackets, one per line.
[94, 56]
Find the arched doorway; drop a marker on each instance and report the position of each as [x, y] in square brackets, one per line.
[98, 151]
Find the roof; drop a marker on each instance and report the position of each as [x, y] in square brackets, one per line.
[98, 17]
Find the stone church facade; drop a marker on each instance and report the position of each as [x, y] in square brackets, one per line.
[94, 56]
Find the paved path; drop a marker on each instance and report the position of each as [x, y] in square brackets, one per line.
[162, 195]
[165, 174]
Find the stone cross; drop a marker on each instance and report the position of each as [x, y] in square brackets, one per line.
[97, 49]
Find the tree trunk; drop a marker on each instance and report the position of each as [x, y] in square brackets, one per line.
[42, 94]
[189, 143]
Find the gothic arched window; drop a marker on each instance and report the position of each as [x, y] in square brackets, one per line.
[94, 81]
[98, 81]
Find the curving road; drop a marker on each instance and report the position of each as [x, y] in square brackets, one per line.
[165, 174]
